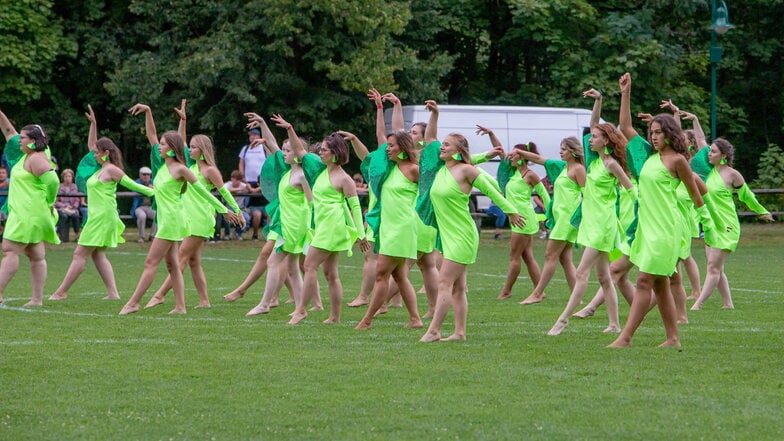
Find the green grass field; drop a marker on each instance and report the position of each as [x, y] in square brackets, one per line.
[75, 370]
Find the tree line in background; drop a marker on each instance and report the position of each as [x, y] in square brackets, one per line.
[313, 61]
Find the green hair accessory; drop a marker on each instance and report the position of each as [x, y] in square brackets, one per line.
[402, 155]
[457, 157]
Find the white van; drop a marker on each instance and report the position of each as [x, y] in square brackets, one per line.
[544, 126]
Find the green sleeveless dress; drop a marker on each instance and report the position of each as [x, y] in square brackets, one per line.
[30, 218]
[369, 234]
[200, 214]
[294, 212]
[518, 193]
[170, 214]
[398, 226]
[691, 225]
[599, 225]
[721, 206]
[657, 243]
[456, 227]
[334, 229]
[104, 227]
[566, 198]
[626, 216]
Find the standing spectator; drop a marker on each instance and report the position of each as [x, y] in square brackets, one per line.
[141, 210]
[252, 157]
[68, 206]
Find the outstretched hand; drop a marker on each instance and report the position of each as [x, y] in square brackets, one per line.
[482, 130]
[90, 114]
[254, 120]
[517, 220]
[138, 109]
[497, 151]
[364, 245]
[181, 111]
[279, 121]
[625, 82]
[687, 116]
[592, 93]
[645, 117]
[347, 136]
[767, 218]
[375, 96]
[258, 142]
[667, 104]
[431, 106]
[391, 98]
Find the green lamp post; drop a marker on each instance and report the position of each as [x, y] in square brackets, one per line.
[720, 23]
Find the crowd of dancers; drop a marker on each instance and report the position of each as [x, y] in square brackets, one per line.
[628, 200]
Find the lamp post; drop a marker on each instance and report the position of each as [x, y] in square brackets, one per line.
[720, 23]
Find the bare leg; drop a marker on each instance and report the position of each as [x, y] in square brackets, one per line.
[190, 247]
[259, 267]
[177, 281]
[589, 259]
[516, 247]
[531, 265]
[368, 280]
[10, 263]
[555, 249]
[693, 271]
[37, 255]
[106, 272]
[619, 271]
[716, 258]
[679, 297]
[448, 276]
[78, 264]
[330, 269]
[159, 249]
[197, 271]
[640, 307]
[315, 258]
[427, 267]
[384, 267]
[407, 294]
[460, 304]
[277, 264]
[724, 291]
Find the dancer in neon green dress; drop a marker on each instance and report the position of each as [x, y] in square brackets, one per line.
[598, 231]
[459, 239]
[103, 228]
[199, 212]
[517, 185]
[170, 179]
[657, 240]
[723, 239]
[31, 215]
[337, 218]
[394, 223]
[568, 178]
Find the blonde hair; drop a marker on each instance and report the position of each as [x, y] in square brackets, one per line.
[204, 143]
[575, 148]
[462, 146]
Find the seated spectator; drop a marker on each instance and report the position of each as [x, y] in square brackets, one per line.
[235, 185]
[500, 219]
[68, 207]
[141, 210]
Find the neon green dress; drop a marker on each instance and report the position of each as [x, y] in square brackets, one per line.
[170, 214]
[104, 227]
[456, 227]
[566, 198]
[722, 209]
[30, 218]
[518, 193]
[398, 226]
[369, 234]
[334, 225]
[626, 216]
[599, 225]
[294, 212]
[690, 221]
[657, 242]
[200, 214]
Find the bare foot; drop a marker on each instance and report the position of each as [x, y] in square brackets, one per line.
[728, 306]
[621, 343]
[612, 329]
[317, 308]
[532, 299]
[430, 337]
[683, 321]
[129, 309]
[558, 327]
[234, 295]
[671, 343]
[296, 318]
[414, 323]
[362, 325]
[382, 310]
[584, 313]
[696, 307]
[693, 296]
[331, 320]
[504, 295]
[57, 296]
[274, 304]
[154, 301]
[290, 301]
[34, 303]
[259, 309]
[422, 290]
[111, 297]
[455, 337]
[178, 311]
[429, 314]
[203, 305]
[359, 301]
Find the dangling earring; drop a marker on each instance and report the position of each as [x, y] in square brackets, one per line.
[296, 160]
[201, 157]
[31, 146]
[723, 161]
[402, 155]
[104, 158]
[334, 160]
[520, 162]
[171, 154]
[422, 143]
[457, 157]
[667, 141]
[607, 151]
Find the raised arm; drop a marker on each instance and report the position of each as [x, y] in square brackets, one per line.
[596, 112]
[149, 122]
[381, 127]
[296, 144]
[359, 148]
[496, 151]
[5, 125]
[530, 156]
[431, 132]
[256, 121]
[92, 136]
[676, 112]
[625, 115]
[182, 127]
[398, 123]
[699, 134]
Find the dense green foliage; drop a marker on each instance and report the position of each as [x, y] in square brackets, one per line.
[313, 60]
